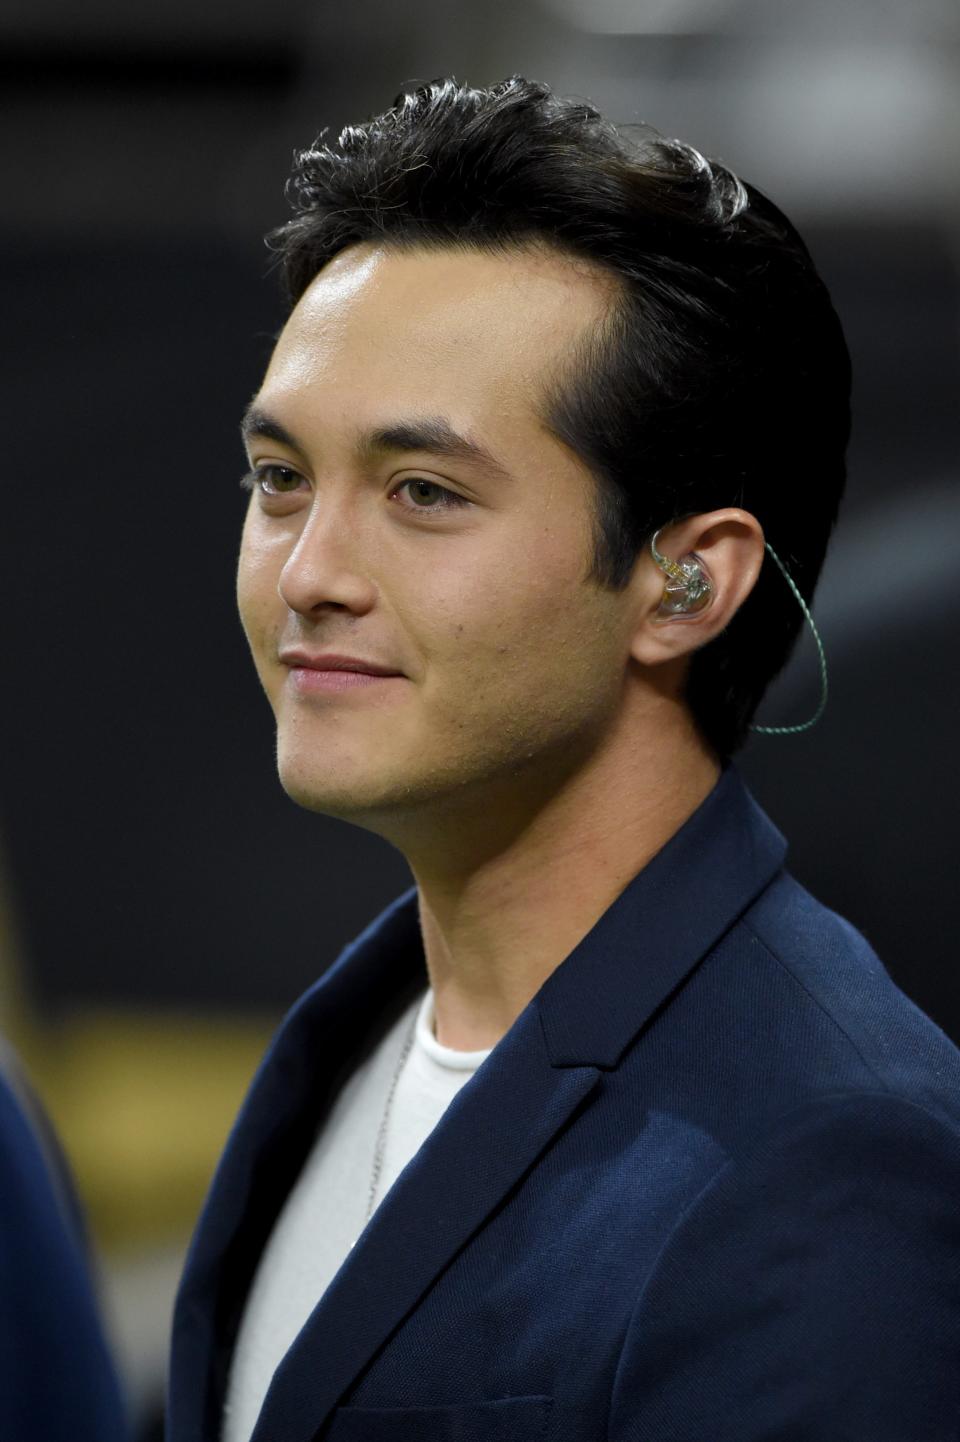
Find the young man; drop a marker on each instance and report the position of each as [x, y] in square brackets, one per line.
[607, 1129]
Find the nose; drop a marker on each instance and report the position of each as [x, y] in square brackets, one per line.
[325, 569]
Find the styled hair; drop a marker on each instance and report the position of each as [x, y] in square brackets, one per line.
[720, 375]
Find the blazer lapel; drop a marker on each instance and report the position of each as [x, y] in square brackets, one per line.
[318, 1045]
[490, 1135]
[548, 1064]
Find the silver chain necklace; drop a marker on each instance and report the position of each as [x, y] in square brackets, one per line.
[382, 1134]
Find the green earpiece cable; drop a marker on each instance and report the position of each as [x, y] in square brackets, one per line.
[804, 726]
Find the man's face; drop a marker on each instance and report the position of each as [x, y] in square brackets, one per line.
[374, 533]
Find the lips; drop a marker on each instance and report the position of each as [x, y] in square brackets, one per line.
[330, 661]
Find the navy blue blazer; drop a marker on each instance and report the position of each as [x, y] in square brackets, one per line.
[705, 1189]
[57, 1380]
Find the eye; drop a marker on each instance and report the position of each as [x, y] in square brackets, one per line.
[271, 480]
[427, 495]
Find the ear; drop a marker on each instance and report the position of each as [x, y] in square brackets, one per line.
[729, 546]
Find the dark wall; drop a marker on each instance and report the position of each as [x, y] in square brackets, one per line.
[154, 857]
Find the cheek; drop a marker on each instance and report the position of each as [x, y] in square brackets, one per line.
[258, 573]
[258, 601]
[526, 620]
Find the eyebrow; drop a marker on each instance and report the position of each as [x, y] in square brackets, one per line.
[433, 434]
[256, 422]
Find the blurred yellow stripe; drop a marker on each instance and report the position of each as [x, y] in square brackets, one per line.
[143, 1104]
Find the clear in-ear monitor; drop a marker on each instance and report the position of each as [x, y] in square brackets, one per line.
[688, 588]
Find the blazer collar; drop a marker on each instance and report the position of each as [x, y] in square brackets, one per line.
[669, 916]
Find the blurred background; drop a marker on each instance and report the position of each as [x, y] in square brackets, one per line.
[162, 902]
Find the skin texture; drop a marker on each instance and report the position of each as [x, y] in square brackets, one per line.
[534, 751]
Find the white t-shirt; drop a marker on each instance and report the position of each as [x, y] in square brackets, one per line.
[326, 1209]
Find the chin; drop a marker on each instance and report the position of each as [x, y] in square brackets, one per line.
[347, 798]
[388, 806]
[322, 795]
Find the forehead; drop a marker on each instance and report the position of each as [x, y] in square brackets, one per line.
[441, 324]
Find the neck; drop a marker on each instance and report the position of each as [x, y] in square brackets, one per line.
[507, 890]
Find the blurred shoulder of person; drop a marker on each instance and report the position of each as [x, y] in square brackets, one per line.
[57, 1377]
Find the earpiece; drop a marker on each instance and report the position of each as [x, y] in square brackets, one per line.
[689, 590]
[688, 587]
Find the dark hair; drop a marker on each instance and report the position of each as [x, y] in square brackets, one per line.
[719, 377]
